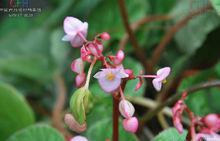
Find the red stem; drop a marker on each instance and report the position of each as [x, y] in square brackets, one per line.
[115, 117]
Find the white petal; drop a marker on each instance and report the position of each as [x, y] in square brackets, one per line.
[109, 86]
[71, 25]
[67, 38]
[157, 84]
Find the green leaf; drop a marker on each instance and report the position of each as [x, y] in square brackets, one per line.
[193, 34]
[15, 113]
[27, 55]
[59, 50]
[171, 134]
[106, 16]
[216, 5]
[79, 104]
[38, 132]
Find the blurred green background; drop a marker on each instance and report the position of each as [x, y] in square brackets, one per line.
[34, 62]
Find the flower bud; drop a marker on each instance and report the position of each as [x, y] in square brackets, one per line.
[119, 57]
[73, 124]
[79, 138]
[139, 84]
[79, 104]
[211, 120]
[105, 36]
[126, 109]
[129, 72]
[77, 66]
[130, 125]
[80, 80]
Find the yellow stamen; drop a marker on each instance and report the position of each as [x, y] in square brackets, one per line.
[110, 76]
[164, 81]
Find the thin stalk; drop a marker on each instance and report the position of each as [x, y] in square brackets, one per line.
[89, 73]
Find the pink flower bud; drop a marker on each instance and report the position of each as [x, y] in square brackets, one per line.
[79, 138]
[119, 57]
[139, 84]
[126, 109]
[105, 36]
[211, 120]
[80, 80]
[130, 125]
[73, 124]
[77, 66]
[130, 73]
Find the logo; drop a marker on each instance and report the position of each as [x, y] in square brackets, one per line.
[18, 3]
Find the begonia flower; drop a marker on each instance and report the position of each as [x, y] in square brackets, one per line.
[161, 77]
[110, 79]
[76, 31]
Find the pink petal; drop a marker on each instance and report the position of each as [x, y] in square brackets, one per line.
[99, 75]
[71, 25]
[109, 86]
[126, 109]
[77, 41]
[79, 138]
[80, 80]
[163, 73]
[77, 66]
[130, 125]
[157, 84]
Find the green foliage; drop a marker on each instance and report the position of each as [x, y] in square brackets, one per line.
[38, 132]
[15, 113]
[113, 23]
[204, 101]
[171, 134]
[216, 5]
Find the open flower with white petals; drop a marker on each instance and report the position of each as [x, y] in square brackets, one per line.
[161, 78]
[110, 79]
[76, 31]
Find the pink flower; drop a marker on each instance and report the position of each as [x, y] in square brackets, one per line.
[131, 124]
[117, 60]
[126, 109]
[79, 138]
[75, 30]
[161, 77]
[73, 124]
[110, 79]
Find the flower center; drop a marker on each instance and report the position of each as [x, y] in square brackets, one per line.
[164, 81]
[110, 76]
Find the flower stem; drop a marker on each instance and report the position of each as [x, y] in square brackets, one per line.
[149, 76]
[89, 73]
[115, 117]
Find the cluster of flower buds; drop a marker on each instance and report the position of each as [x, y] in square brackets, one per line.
[207, 126]
[126, 109]
[110, 76]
